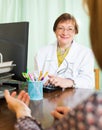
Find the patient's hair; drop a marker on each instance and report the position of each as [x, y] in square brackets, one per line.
[95, 13]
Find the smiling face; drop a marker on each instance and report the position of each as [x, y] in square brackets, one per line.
[65, 32]
[65, 28]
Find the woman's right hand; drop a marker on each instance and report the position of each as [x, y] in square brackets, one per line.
[18, 104]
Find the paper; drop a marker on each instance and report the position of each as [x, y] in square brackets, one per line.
[6, 66]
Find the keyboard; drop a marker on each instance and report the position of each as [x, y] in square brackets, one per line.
[50, 88]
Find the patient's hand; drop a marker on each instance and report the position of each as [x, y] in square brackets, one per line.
[23, 96]
[60, 112]
[18, 104]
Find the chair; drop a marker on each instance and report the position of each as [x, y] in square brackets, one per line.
[97, 78]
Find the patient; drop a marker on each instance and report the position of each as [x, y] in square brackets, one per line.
[88, 121]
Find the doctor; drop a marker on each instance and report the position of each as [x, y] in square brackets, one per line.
[68, 63]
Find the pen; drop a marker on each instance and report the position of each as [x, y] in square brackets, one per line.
[25, 75]
[44, 76]
[40, 75]
[31, 77]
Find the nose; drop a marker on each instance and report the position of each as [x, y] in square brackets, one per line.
[65, 31]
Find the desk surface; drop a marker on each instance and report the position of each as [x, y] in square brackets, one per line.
[42, 109]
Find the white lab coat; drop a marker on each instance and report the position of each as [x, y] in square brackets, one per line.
[78, 64]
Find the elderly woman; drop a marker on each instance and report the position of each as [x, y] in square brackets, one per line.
[68, 63]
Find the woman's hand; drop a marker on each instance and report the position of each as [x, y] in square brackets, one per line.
[18, 104]
[60, 112]
[23, 96]
[58, 81]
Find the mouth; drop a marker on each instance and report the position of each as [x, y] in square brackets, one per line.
[64, 37]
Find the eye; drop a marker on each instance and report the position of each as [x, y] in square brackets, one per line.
[60, 28]
[70, 29]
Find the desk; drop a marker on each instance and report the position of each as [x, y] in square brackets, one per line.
[41, 109]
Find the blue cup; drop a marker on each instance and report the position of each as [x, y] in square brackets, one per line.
[35, 90]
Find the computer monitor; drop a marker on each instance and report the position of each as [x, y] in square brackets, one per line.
[14, 46]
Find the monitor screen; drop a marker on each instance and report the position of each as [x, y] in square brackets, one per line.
[14, 46]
